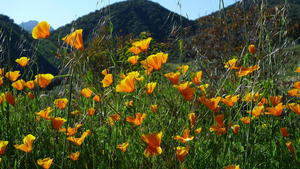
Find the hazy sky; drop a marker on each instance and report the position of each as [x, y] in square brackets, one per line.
[60, 12]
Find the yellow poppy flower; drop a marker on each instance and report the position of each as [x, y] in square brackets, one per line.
[140, 46]
[154, 108]
[150, 87]
[173, 77]
[23, 61]
[181, 152]
[232, 167]
[123, 147]
[57, 122]
[107, 80]
[91, 111]
[126, 85]
[45, 113]
[30, 84]
[19, 84]
[290, 146]
[235, 128]
[70, 131]
[231, 64]
[80, 140]
[45, 163]
[138, 120]
[154, 62]
[86, 92]
[13, 75]
[244, 71]
[97, 98]
[186, 91]
[61, 103]
[43, 80]
[27, 144]
[183, 68]
[246, 120]
[41, 30]
[252, 49]
[212, 104]
[230, 100]
[75, 39]
[74, 156]
[192, 119]
[185, 136]
[275, 111]
[196, 79]
[133, 59]
[294, 107]
[2, 71]
[3, 145]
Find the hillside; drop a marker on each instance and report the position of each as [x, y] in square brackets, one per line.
[29, 25]
[15, 42]
[129, 17]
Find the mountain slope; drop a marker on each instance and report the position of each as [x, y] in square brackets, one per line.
[15, 42]
[129, 17]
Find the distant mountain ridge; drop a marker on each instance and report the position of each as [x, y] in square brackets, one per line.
[29, 25]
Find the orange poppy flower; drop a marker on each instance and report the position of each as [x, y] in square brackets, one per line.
[198, 130]
[246, 120]
[230, 100]
[45, 163]
[231, 64]
[244, 71]
[86, 92]
[297, 85]
[185, 136]
[183, 68]
[1, 98]
[196, 79]
[57, 122]
[133, 59]
[75, 39]
[61, 103]
[27, 144]
[9, 98]
[22, 61]
[219, 128]
[126, 85]
[192, 119]
[19, 84]
[212, 104]
[275, 100]
[294, 107]
[74, 156]
[294, 92]
[232, 167]
[186, 91]
[276, 111]
[140, 46]
[1, 80]
[154, 108]
[113, 118]
[45, 113]
[2, 71]
[97, 98]
[284, 132]
[43, 80]
[41, 30]
[173, 77]
[138, 120]
[290, 146]
[181, 152]
[297, 70]
[129, 104]
[3, 145]
[13, 75]
[257, 111]
[107, 80]
[153, 141]
[70, 131]
[30, 84]
[154, 62]
[235, 128]
[104, 72]
[150, 87]
[80, 140]
[252, 49]
[135, 75]
[123, 147]
[91, 111]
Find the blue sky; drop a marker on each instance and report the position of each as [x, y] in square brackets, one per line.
[60, 12]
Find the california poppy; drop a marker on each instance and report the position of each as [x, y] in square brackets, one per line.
[91, 111]
[290, 146]
[212, 104]
[45, 113]
[186, 91]
[173, 77]
[294, 107]
[297, 70]
[153, 141]
[284, 132]
[296, 85]
[245, 120]
[276, 111]
[129, 103]
[13, 75]
[183, 68]
[41, 30]
[86, 92]
[251, 96]
[257, 111]
[113, 118]
[57, 122]
[252, 49]
[244, 71]
[138, 120]
[1, 80]
[70, 131]
[185, 136]
[154, 62]
[75, 39]
[19, 84]
[30, 84]
[192, 119]
[27, 144]
[107, 80]
[43, 80]
[140, 46]
[198, 130]
[219, 128]
[294, 92]
[80, 140]
[74, 156]
[30, 95]
[203, 89]
[61, 103]
[196, 79]
[230, 100]
[133, 59]
[9, 98]
[235, 128]
[181, 152]
[22, 61]
[126, 85]
[154, 108]
[123, 147]
[150, 87]
[231, 64]
[2, 71]
[275, 100]
[97, 98]
[45, 163]
[3, 145]
[232, 167]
